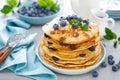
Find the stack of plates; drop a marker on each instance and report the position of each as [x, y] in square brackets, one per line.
[114, 9]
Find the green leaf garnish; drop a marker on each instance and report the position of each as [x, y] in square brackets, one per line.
[84, 27]
[19, 4]
[119, 39]
[109, 34]
[12, 3]
[48, 3]
[75, 21]
[108, 37]
[42, 3]
[6, 9]
[115, 44]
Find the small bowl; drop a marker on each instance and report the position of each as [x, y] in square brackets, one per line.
[74, 72]
[35, 20]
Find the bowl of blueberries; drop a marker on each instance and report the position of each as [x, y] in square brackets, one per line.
[31, 12]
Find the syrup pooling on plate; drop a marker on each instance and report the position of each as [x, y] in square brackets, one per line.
[73, 43]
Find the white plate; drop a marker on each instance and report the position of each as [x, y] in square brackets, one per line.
[74, 72]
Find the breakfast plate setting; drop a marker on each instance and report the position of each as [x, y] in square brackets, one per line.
[41, 41]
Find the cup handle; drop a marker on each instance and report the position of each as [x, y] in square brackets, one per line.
[112, 22]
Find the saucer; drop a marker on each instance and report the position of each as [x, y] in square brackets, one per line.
[74, 72]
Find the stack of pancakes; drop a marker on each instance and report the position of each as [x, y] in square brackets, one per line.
[70, 48]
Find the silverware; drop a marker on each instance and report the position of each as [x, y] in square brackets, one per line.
[11, 43]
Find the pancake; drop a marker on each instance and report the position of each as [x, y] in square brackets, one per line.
[57, 35]
[66, 47]
[74, 60]
[70, 54]
[70, 48]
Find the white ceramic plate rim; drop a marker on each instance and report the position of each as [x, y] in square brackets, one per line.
[73, 72]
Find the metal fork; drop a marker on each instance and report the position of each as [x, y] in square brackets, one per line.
[11, 43]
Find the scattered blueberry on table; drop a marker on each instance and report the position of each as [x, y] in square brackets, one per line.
[110, 60]
[95, 74]
[104, 64]
[115, 68]
[110, 57]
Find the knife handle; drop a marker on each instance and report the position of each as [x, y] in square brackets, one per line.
[5, 54]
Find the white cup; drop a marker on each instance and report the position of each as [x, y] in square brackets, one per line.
[102, 20]
[83, 7]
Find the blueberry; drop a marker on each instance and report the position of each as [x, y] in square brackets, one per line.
[41, 15]
[33, 14]
[117, 65]
[26, 14]
[34, 4]
[119, 62]
[103, 64]
[32, 9]
[21, 12]
[42, 9]
[110, 57]
[35, 10]
[23, 8]
[80, 19]
[86, 21]
[62, 18]
[75, 25]
[74, 17]
[92, 48]
[55, 26]
[55, 58]
[18, 11]
[68, 17]
[111, 62]
[115, 68]
[63, 23]
[95, 74]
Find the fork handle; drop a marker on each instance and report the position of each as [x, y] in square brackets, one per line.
[1, 53]
[5, 54]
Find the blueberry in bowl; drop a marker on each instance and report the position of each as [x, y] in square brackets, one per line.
[32, 13]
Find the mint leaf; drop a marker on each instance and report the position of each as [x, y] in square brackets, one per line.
[119, 39]
[52, 4]
[75, 21]
[48, 3]
[42, 3]
[84, 27]
[19, 4]
[12, 3]
[107, 37]
[109, 34]
[6, 9]
[115, 44]
[54, 7]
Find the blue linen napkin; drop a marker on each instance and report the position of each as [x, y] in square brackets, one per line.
[23, 59]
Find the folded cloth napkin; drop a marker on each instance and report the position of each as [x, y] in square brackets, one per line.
[23, 59]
